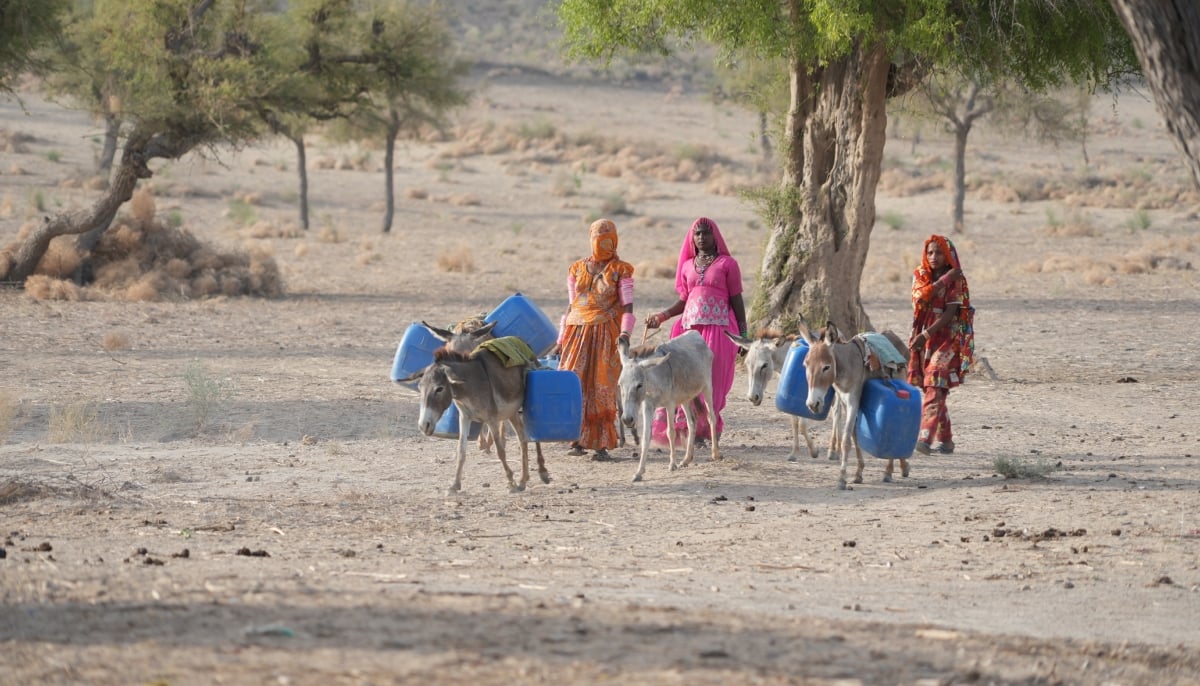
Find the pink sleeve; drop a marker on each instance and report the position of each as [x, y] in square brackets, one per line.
[626, 287]
[733, 277]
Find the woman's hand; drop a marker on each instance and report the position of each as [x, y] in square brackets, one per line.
[919, 340]
[653, 321]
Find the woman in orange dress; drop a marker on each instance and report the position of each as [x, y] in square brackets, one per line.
[942, 345]
[599, 313]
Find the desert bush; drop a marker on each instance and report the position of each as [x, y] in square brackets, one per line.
[456, 259]
[115, 340]
[206, 394]
[1017, 468]
[1138, 221]
[894, 220]
[73, 423]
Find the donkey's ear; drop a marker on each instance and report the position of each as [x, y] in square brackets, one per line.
[741, 341]
[484, 330]
[442, 334]
[415, 376]
[832, 335]
[804, 333]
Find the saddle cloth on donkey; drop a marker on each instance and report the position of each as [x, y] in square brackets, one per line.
[511, 350]
[880, 353]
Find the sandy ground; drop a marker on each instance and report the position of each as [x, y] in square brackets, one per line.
[304, 536]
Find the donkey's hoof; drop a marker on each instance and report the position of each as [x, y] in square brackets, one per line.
[904, 472]
[545, 476]
[516, 488]
[887, 478]
[858, 479]
[841, 485]
[453, 490]
[637, 478]
[793, 458]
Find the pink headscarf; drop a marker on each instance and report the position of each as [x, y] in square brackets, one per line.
[688, 252]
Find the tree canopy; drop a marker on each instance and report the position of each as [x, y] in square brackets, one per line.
[25, 26]
[844, 60]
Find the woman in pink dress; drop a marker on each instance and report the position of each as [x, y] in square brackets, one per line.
[709, 283]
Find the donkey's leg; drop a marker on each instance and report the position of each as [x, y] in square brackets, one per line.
[498, 433]
[835, 419]
[671, 438]
[712, 421]
[842, 429]
[858, 479]
[904, 467]
[689, 450]
[887, 472]
[800, 428]
[518, 424]
[462, 454]
[647, 418]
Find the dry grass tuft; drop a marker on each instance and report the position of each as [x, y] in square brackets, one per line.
[330, 234]
[663, 268]
[42, 287]
[457, 259]
[115, 340]
[74, 423]
[416, 194]
[142, 206]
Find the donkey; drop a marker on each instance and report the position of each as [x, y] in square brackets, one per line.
[842, 365]
[765, 356]
[484, 390]
[678, 372]
[467, 336]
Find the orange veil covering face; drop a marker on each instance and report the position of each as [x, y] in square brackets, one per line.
[603, 234]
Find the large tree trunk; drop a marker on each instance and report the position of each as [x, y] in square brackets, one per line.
[302, 169]
[822, 222]
[1166, 36]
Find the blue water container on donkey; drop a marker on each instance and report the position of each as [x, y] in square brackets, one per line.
[447, 426]
[889, 418]
[791, 395]
[519, 316]
[553, 405]
[415, 352]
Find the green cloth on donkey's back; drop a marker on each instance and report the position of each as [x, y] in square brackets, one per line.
[511, 350]
[888, 355]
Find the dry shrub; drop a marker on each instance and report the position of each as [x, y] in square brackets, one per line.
[457, 259]
[42, 287]
[301, 250]
[663, 268]
[416, 193]
[1068, 263]
[465, 200]
[16, 170]
[1099, 276]
[7, 207]
[114, 340]
[145, 261]
[95, 183]
[141, 206]
[6, 261]
[61, 259]
[73, 423]
[330, 234]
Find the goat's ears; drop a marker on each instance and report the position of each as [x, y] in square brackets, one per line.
[741, 341]
[832, 335]
[442, 334]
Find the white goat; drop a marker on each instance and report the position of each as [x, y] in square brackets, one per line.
[678, 372]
